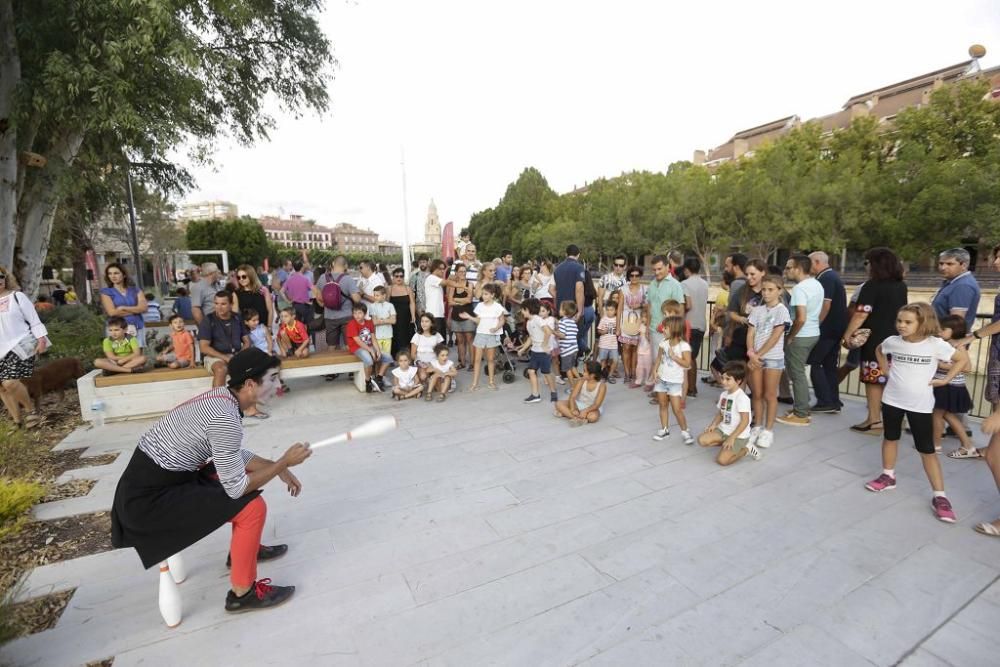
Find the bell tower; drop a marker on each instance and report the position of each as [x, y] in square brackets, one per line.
[432, 228]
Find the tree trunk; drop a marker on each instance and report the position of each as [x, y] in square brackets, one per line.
[38, 208]
[10, 76]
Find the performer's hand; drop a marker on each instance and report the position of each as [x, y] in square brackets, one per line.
[296, 454]
[291, 481]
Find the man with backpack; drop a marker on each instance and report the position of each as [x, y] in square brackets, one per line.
[337, 292]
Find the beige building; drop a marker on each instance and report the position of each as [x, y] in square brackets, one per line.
[349, 238]
[297, 232]
[882, 103]
[208, 210]
[431, 245]
[389, 248]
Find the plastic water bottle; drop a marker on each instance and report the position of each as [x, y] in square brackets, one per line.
[97, 411]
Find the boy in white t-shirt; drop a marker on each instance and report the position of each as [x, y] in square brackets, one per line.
[731, 426]
[541, 335]
[383, 316]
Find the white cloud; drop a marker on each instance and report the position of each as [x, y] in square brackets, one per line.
[475, 92]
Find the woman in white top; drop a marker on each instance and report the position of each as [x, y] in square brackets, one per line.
[22, 338]
[543, 284]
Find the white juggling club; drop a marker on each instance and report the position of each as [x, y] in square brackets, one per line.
[372, 427]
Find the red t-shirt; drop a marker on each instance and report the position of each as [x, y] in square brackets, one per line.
[296, 333]
[364, 330]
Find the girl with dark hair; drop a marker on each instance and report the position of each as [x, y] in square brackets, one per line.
[879, 299]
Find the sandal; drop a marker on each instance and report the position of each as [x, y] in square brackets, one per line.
[473, 388]
[429, 397]
[867, 428]
[962, 453]
[493, 386]
[442, 398]
[987, 529]
[260, 415]
[32, 419]
[612, 380]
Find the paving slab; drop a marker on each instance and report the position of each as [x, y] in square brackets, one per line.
[484, 531]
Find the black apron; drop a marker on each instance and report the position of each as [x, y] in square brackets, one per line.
[162, 512]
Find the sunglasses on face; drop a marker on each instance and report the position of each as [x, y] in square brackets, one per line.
[243, 276]
[397, 275]
[621, 266]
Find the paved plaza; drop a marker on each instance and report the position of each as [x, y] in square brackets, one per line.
[487, 532]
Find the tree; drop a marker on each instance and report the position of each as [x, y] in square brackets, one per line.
[149, 76]
[243, 238]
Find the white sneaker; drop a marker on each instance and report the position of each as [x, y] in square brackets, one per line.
[661, 434]
[560, 379]
[753, 452]
[755, 433]
[686, 436]
[764, 439]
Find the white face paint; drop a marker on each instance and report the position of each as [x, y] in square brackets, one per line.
[268, 386]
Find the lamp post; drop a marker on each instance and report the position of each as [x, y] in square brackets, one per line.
[133, 230]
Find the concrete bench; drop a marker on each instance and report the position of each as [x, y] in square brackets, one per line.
[135, 396]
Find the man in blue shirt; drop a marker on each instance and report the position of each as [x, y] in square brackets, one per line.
[959, 293]
[832, 324]
[506, 266]
[807, 304]
[569, 277]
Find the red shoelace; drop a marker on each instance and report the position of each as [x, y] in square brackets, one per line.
[262, 588]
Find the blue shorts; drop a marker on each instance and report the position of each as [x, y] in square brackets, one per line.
[669, 388]
[773, 364]
[607, 355]
[366, 358]
[541, 362]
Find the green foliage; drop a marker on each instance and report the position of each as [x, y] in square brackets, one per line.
[16, 498]
[74, 331]
[243, 238]
[925, 182]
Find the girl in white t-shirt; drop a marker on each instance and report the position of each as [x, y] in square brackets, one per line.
[673, 359]
[422, 345]
[543, 284]
[910, 361]
[489, 318]
[768, 323]
[442, 370]
[405, 383]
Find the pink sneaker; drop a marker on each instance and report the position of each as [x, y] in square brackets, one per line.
[881, 483]
[942, 509]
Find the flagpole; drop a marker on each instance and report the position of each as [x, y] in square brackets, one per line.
[406, 219]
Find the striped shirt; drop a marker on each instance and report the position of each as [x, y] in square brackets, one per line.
[569, 331]
[206, 427]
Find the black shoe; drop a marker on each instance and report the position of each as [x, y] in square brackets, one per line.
[331, 377]
[533, 398]
[262, 595]
[369, 388]
[265, 553]
[826, 409]
[786, 400]
[376, 387]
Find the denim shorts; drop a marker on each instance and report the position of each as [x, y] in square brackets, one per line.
[541, 362]
[486, 341]
[669, 388]
[366, 357]
[773, 364]
[607, 355]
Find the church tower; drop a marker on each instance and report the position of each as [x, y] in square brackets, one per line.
[432, 228]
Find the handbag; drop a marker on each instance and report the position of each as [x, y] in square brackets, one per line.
[858, 339]
[631, 324]
[26, 347]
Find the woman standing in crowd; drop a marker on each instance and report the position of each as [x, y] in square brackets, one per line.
[22, 338]
[543, 285]
[633, 307]
[879, 300]
[460, 297]
[123, 299]
[402, 299]
[750, 297]
[251, 294]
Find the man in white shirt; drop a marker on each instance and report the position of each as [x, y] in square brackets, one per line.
[434, 294]
[370, 279]
[611, 283]
[807, 304]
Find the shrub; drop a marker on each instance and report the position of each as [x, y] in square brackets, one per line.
[16, 498]
[75, 331]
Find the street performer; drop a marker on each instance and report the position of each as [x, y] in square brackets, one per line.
[190, 474]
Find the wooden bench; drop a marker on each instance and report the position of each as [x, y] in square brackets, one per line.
[134, 396]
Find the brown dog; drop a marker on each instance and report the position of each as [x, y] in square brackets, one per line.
[53, 376]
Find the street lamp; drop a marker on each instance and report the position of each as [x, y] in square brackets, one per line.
[133, 231]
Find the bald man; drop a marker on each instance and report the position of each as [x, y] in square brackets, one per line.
[832, 324]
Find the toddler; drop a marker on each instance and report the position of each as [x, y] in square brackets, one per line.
[568, 347]
[607, 344]
[179, 353]
[293, 339]
[260, 335]
[121, 351]
[442, 370]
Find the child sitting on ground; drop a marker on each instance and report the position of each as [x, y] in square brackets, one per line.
[731, 426]
[404, 378]
[121, 351]
[179, 352]
[293, 339]
[586, 404]
[442, 370]
[423, 343]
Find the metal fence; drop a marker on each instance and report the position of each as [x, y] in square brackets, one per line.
[851, 386]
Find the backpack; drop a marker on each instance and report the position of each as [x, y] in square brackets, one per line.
[332, 294]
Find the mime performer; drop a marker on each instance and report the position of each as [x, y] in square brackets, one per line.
[190, 475]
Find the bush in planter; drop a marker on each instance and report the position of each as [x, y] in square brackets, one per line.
[74, 331]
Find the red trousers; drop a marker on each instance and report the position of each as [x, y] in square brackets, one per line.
[247, 528]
